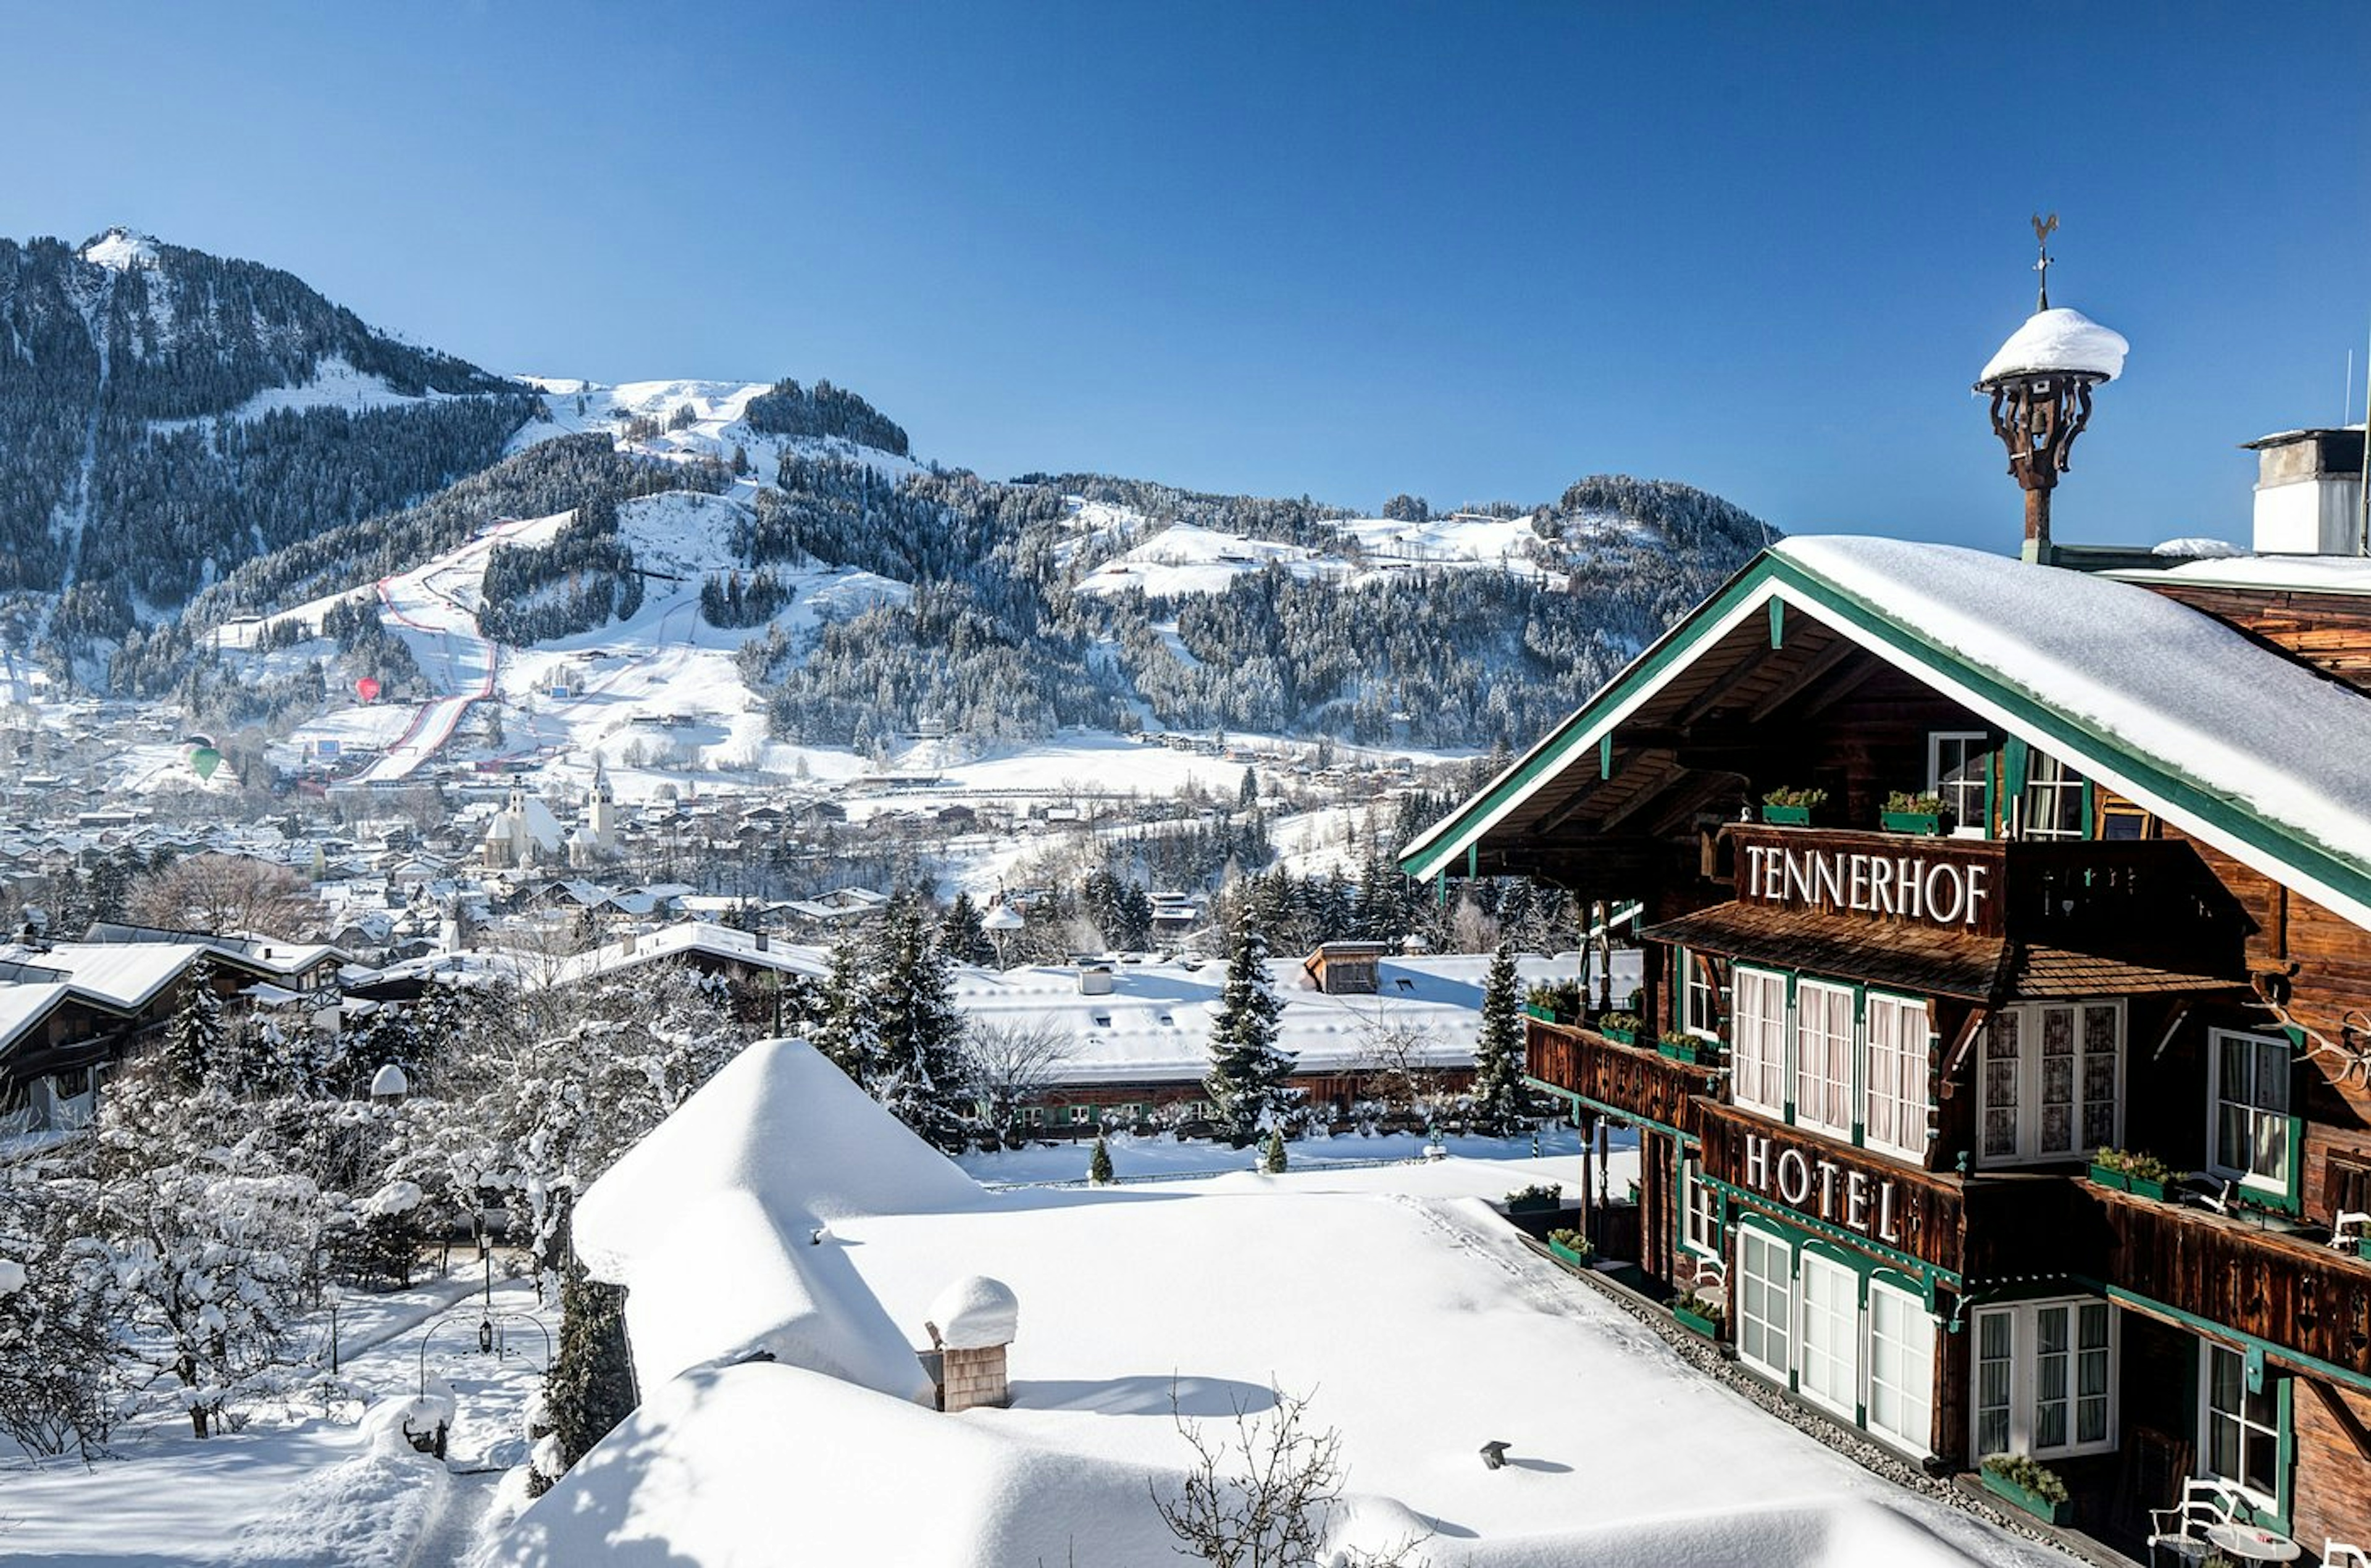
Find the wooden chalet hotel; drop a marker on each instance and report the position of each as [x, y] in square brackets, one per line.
[2140, 924]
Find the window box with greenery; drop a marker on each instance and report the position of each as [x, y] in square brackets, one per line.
[1792, 808]
[1683, 1047]
[1559, 1003]
[2143, 1175]
[1572, 1246]
[1922, 814]
[2032, 1486]
[1537, 1198]
[1622, 1027]
[1701, 1314]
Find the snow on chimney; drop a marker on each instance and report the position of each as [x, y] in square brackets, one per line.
[972, 1323]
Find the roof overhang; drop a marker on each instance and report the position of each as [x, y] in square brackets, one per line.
[1770, 586]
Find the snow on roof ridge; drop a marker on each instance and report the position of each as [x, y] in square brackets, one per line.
[2183, 690]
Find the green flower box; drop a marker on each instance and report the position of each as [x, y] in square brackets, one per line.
[1545, 1204]
[2116, 1181]
[1545, 1015]
[2142, 1187]
[1618, 1034]
[1787, 816]
[1576, 1259]
[1691, 1050]
[1698, 1323]
[2041, 1509]
[1927, 824]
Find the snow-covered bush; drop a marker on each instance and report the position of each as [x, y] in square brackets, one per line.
[60, 1390]
[204, 1242]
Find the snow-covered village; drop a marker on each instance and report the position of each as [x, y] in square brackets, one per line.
[1016, 786]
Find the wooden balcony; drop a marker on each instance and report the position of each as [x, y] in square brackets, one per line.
[2286, 1290]
[1635, 1080]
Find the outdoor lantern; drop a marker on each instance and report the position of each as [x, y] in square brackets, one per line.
[388, 1085]
[1494, 1455]
[485, 1336]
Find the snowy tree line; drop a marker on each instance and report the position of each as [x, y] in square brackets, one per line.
[590, 567]
[170, 1253]
[787, 408]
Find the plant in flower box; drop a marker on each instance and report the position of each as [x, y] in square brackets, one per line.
[1684, 1047]
[1622, 1027]
[1704, 1314]
[1557, 1003]
[1907, 813]
[1787, 807]
[1538, 1198]
[2139, 1173]
[2032, 1486]
[1572, 1246]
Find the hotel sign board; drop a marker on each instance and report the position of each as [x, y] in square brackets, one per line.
[1927, 881]
[1811, 1184]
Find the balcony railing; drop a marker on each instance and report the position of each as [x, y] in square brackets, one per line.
[1637, 1081]
[2288, 1290]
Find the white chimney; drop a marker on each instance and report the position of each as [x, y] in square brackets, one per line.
[2309, 492]
[1094, 980]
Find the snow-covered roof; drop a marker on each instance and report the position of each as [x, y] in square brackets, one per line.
[2236, 568]
[1326, 1276]
[2147, 675]
[125, 976]
[687, 937]
[1153, 1026]
[2059, 338]
[711, 1222]
[2232, 743]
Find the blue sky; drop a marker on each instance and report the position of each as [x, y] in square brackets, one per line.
[1469, 251]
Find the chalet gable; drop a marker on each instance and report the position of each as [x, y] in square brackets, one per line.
[2226, 740]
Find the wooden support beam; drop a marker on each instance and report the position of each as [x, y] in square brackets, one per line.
[1827, 697]
[1811, 674]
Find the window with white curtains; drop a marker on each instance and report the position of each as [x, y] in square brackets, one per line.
[1893, 1076]
[1824, 1057]
[1758, 1040]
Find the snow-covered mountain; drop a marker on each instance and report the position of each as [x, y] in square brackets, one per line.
[226, 473]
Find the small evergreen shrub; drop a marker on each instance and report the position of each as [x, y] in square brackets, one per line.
[1099, 1164]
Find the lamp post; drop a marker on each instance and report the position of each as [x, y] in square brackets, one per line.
[2041, 384]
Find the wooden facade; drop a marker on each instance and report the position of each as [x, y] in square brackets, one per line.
[2070, 974]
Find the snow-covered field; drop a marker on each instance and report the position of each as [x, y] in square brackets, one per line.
[304, 1486]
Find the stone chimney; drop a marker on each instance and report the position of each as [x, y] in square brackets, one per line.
[972, 1324]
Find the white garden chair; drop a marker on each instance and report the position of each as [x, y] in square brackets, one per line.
[2338, 1554]
[2182, 1529]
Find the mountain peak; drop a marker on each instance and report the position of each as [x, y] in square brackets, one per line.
[120, 248]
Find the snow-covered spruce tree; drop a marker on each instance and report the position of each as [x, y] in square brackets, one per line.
[847, 1027]
[1499, 1099]
[193, 1035]
[1272, 1155]
[1248, 1073]
[590, 1387]
[964, 933]
[1099, 1163]
[925, 1077]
